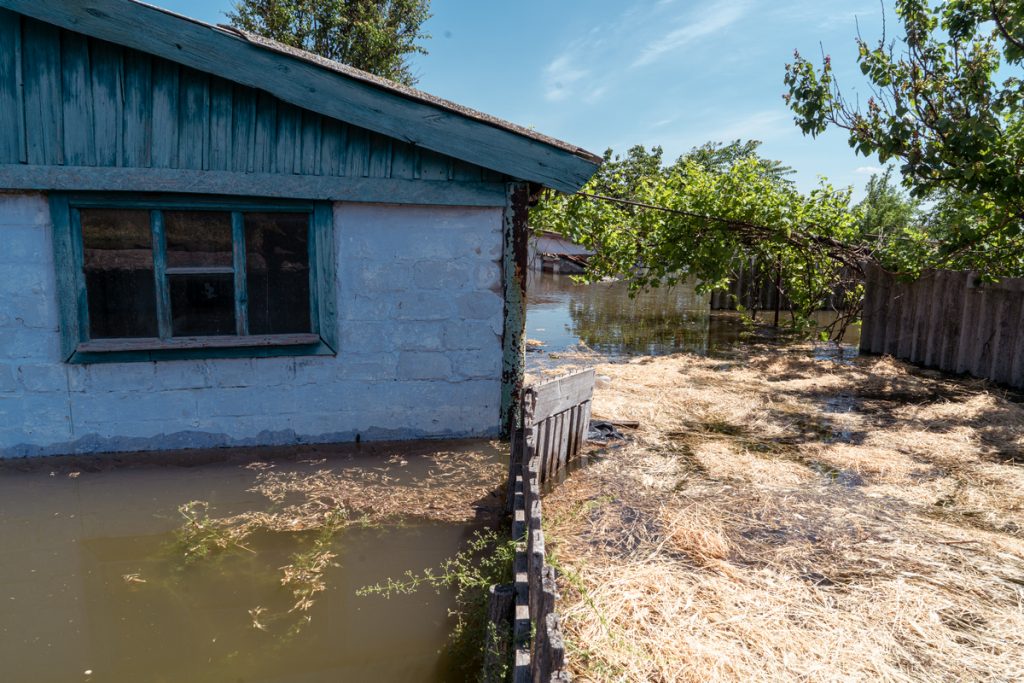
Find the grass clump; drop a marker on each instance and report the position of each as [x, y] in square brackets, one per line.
[485, 561]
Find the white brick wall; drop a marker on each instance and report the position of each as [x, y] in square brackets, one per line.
[420, 318]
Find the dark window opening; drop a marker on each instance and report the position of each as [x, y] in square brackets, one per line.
[117, 255]
[277, 272]
[176, 274]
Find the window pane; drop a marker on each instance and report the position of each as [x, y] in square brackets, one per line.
[202, 305]
[118, 263]
[198, 239]
[277, 272]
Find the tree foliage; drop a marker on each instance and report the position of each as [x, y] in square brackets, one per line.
[947, 105]
[713, 209]
[377, 36]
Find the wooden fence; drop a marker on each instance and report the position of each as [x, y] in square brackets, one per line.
[757, 287]
[948, 320]
[556, 416]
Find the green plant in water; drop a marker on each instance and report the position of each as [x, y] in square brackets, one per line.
[304, 576]
[485, 560]
[201, 535]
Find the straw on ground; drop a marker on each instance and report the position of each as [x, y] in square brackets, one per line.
[781, 517]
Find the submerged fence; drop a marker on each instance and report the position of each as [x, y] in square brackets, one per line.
[948, 320]
[556, 416]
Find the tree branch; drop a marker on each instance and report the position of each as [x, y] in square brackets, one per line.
[1002, 28]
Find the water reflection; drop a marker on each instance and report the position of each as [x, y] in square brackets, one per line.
[91, 579]
[603, 316]
[564, 315]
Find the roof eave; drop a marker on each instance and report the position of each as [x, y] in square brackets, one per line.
[326, 87]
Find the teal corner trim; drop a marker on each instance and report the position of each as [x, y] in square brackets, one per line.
[514, 257]
[73, 298]
[70, 281]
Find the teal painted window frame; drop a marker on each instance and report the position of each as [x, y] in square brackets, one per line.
[73, 301]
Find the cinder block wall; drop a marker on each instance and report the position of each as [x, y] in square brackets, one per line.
[420, 318]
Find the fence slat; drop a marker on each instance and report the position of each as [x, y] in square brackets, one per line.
[908, 314]
[1006, 335]
[541, 448]
[922, 317]
[881, 306]
[1017, 369]
[933, 341]
[501, 609]
[563, 393]
[949, 320]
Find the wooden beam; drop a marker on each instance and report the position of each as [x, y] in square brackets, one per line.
[514, 262]
[405, 115]
[372, 190]
[179, 343]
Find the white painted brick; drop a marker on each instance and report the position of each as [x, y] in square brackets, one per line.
[24, 244]
[469, 334]
[245, 401]
[32, 308]
[134, 429]
[232, 372]
[17, 343]
[451, 274]
[274, 371]
[366, 337]
[424, 365]
[357, 307]
[378, 368]
[43, 378]
[417, 336]
[251, 372]
[479, 305]
[182, 374]
[22, 279]
[370, 276]
[127, 406]
[488, 276]
[424, 306]
[24, 209]
[477, 364]
[36, 414]
[8, 383]
[107, 377]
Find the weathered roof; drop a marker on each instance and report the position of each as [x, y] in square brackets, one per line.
[325, 86]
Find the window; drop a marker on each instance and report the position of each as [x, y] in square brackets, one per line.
[145, 279]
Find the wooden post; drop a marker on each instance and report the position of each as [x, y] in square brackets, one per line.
[514, 261]
[551, 657]
[498, 642]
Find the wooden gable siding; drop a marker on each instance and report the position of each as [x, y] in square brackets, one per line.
[68, 100]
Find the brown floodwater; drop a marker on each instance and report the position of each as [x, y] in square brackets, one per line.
[94, 588]
[604, 318]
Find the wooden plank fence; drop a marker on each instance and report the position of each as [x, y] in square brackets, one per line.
[757, 287]
[948, 320]
[556, 416]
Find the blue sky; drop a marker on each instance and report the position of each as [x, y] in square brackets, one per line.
[609, 73]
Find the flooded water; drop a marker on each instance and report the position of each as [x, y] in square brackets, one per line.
[603, 317]
[93, 586]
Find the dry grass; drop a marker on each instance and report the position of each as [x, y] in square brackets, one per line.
[784, 518]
